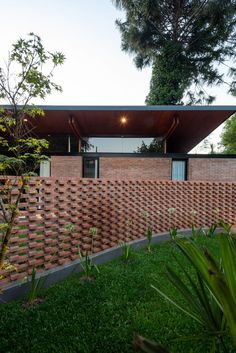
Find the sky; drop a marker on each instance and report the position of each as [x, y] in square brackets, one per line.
[96, 71]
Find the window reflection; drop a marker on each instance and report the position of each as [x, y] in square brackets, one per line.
[117, 144]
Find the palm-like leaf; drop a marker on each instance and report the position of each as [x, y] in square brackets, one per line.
[221, 282]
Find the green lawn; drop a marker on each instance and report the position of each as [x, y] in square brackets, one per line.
[101, 316]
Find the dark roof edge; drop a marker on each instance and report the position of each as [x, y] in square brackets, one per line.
[145, 155]
[135, 107]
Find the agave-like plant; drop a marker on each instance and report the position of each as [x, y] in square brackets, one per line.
[86, 261]
[35, 286]
[87, 265]
[211, 300]
[126, 249]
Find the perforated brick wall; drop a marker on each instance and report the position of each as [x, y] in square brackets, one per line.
[41, 239]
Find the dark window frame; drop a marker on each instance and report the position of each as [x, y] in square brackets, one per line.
[185, 160]
[93, 158]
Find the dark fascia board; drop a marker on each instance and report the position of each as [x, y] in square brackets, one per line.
[145, 155]
[134, 107]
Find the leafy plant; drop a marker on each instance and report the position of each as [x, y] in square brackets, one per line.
[203, 231]
[26, 77]
[126, 249]
[210, 232]
[124, 244]
[86, 261]
[211, 299]
[70, 227]
[173, 233]
[87, 265]
[149, 231]
[93, 231]
[35, 286]
[149, 238]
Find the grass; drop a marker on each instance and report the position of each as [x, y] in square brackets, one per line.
[101, 316]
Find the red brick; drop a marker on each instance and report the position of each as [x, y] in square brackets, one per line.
[212, 169]
[66, 166]
[135, 168]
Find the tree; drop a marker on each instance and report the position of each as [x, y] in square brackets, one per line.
[185, 41]
[228, 136]
[155, 146]
[28, 75]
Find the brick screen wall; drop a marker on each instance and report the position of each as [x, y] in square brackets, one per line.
[66, 166]
[135, 168]
[212, 169]
[40, 238]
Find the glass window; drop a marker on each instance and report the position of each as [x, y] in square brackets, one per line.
[45, 169]
[62, 143]
[90, 168]
[178, 170]
[118, 144]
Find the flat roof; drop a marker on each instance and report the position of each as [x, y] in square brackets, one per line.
[184, 126]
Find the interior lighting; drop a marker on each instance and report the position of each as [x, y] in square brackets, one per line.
[123, 120]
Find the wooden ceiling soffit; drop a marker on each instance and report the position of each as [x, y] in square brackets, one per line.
[173, 126]
[75, 128]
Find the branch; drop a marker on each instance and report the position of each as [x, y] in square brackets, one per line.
[4, 212]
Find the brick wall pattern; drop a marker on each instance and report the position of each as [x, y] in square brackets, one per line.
[66, 166]
[41, 240]
[135, 168]
[212, 169]
[208, 169]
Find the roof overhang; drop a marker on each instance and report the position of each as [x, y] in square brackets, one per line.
[194, 122]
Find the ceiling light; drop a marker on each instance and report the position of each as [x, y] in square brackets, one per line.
[123, 120]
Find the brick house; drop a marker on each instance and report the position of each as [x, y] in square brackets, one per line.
[115, 133]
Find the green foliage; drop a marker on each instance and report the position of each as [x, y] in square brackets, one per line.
[173, 233]
[86, 261]
[210, 232]
[28, 75]
[149, 230]
[32, 80]
[155, 146]
[228, 136]
[87, 265]
[182, 41]
[149, 238]
[35, 286]
[168, 87]
[126, 249]
[124, 244]
[211, 300]
[70, 227]
[103, 316]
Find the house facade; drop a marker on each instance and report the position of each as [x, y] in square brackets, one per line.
[144, 167]
[104, 142]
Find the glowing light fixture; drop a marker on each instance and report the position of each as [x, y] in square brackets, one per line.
[123, 120]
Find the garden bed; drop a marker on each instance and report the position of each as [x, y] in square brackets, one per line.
[102, 315]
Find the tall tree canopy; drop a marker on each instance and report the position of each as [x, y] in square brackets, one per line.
[228, 136]
[185, 41]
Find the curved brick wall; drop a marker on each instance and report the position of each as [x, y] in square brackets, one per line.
[41, 239]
